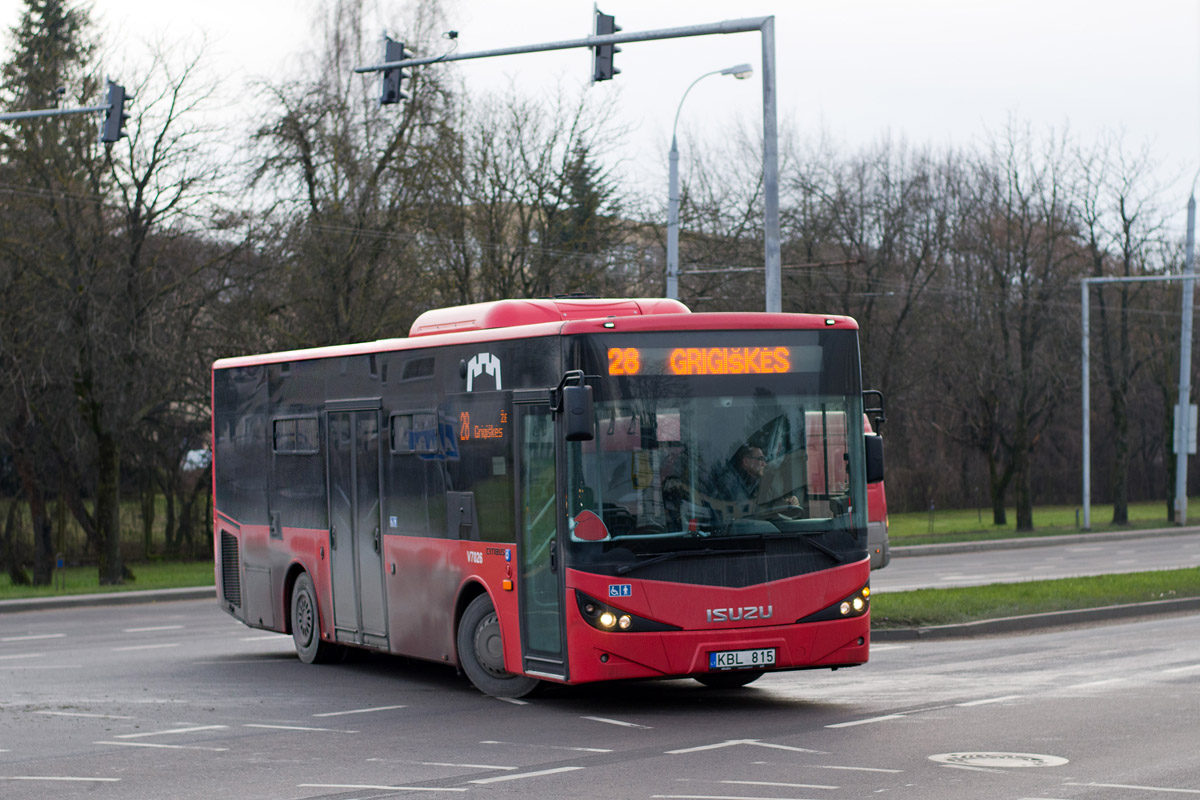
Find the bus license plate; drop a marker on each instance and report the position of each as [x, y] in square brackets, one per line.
[741, 659]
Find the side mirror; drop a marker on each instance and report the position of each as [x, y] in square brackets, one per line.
[580, 419]
[874, 444]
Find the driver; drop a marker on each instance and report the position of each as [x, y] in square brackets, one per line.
[739, 480]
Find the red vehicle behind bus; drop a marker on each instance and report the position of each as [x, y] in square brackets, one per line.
[538, 490]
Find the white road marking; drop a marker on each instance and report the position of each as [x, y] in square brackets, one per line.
[521, 775]
[973, 769]
[861, 769]
[989, 700]
[1140, 788]
[153, 628]
[50, 778]
[145, 647]
[22, 655]
[243, 661]
[51, 666]
[274, 637]
[464, 766]
[514, 701]
[168, 746]
[556, 747]
[377, 787]
[713, 797]
[171, 731]
[879, 648]
[1091, 684]
[295, 728]
[81, 714]
[733, 742]
[31, 637]
[866, 721]
[358, 711]
[618, 722]
[1178, 670]
[785, 785]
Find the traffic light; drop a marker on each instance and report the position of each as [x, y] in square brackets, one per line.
[113, 127]
[602, 54]
[393, 78]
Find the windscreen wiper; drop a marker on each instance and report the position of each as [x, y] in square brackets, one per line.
[624, 568]
[826, 549]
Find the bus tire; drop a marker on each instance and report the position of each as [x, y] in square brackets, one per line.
[481, 652]
[306, 625]
[729, 680]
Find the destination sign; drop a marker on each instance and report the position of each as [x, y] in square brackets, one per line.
[712, 360]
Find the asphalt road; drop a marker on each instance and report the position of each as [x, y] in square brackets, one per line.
[1102, 556]
[177, 700]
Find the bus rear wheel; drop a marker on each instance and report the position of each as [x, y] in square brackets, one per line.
[481, 652]
[306, 626]
[729, 680]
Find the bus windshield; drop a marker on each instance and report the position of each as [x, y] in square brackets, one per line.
[725, 444]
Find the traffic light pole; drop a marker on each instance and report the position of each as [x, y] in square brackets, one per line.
[766, 26]
[114, 113]
[50, 112]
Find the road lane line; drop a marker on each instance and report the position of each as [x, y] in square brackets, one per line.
[22, 655]
[1179, 670]
[464, 766]
[56, 778]
[81, 714]
[521, 775]
[869, 721]
[171, 731]
[44, 666]
[294, 728]
[1140, 788]
[860, 769]
[715, 797]
[784, 785]
[153, 628]
[377, 787]
[553, 747]
[358, 711]
[608, 721]
[990, 700]
[514, 701]
[145, 647]
[33, 636]
[274, 637]
[1091, 684]
[168, 746]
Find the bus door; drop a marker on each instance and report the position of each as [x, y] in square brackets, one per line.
[355, 533]
[539, 553]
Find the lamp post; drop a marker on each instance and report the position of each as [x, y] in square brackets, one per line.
[741, 72]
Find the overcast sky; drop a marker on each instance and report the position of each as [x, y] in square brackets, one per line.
[929, 71]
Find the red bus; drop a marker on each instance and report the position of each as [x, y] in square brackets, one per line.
[537, 490]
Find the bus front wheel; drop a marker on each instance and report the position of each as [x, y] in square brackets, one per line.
[481, 652]
[306, 625]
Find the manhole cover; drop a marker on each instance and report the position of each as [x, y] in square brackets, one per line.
[999, 759]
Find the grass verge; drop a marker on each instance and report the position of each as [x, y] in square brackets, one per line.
[86, 580]
[928, 607]
[972, 524]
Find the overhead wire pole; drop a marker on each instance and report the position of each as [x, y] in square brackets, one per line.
[766, 27]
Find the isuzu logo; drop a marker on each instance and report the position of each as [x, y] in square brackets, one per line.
[739, 614]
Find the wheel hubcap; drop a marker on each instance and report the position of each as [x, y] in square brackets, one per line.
[304, 618]
[489, 649]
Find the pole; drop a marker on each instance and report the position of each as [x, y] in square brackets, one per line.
[673, 221]
[772, 258]
[1087, 414]
[51, 112]
[1182, 414]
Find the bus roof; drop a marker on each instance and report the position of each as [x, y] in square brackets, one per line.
[514, 319]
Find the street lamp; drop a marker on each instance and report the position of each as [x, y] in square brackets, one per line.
[741, 72]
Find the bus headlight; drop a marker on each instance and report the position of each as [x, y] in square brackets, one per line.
[604, 617]
[856, 605]
[608, 619]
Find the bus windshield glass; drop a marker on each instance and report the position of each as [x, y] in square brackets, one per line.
[707, 443]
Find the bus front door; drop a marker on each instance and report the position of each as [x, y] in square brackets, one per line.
[355, 543]
[541, 571]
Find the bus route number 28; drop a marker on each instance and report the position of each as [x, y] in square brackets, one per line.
[624, 361]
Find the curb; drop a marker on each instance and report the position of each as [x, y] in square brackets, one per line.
[1035, 541]
[1033, 622]
[108, 599]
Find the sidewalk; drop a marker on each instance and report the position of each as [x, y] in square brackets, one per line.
[949, 548]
